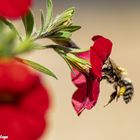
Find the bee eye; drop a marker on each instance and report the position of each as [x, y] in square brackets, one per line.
[105, 70]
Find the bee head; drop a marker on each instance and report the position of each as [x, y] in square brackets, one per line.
[107, 68]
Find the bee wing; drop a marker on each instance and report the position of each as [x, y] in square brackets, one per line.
[115, 67]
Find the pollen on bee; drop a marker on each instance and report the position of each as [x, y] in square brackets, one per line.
[123, 71]
[122, 90]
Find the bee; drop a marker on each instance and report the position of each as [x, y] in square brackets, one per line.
[118, 77]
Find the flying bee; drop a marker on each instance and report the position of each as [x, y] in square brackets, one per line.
[118, 77]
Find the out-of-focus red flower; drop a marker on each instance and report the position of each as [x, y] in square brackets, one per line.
[23, 102]
[85, 97]
[13, 9]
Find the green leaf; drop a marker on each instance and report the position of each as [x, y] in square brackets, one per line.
[62, 35]
[76, 51]
[1, 26]
[72, 28]
[25, 46]
[67, 13]
[49, 13]
[74, 58]
[12, 27]
[70, 67]
[28, 22]
[7, 43]
[61, 21]
[42, 22]
[39, 67]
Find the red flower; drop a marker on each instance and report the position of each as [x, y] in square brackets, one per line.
[23, 102]
[88, 83]
[13, 9]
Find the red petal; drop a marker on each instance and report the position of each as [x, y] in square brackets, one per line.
[84, 55]
[93, 93]
[86, 96]
[79, 99]
[34, 125]
[27, 117]
[35, 106]
[23, 120]
[102, 47]
[17, 125]
[13, 9]
[36, 101]
[95, 90]
[16, 78]
[78, 78]
[96, 63]
[87, 93]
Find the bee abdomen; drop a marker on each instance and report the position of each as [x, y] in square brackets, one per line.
[127, 96]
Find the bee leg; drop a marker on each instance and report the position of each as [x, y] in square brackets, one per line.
[121, 92]
[107, 78]
[112, 96]
[104, 77]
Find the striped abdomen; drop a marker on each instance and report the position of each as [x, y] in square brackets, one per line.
[128, 94]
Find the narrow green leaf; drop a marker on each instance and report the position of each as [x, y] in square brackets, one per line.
[12, 27]
[70, 67]
[63, 20]
[39, 67]
[77, 59]
[1, 26]
[67, 62]
[76, 51]
[7, 43]
[49, 13]
[67, 13]
[62, 35]
[28, 22]
[72, 28]
[42, 22]
[25, 46]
